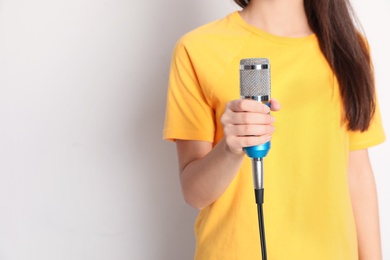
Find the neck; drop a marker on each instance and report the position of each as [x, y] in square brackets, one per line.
[284, 18]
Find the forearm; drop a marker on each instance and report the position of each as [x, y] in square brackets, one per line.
[204, 180]
[365, 208]
[206, 171]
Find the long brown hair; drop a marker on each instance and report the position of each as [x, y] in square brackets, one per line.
[335, 24]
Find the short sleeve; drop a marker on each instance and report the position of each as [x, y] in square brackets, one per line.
[373, 136]
[189, 116]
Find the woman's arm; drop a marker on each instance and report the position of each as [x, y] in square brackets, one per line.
[206, 172]
[365, 205]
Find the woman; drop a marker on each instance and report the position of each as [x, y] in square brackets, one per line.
[320, 198]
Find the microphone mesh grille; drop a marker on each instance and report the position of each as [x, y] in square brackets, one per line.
[255, 82]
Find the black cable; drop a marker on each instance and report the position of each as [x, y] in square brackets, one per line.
[259, 193]
[262, 231]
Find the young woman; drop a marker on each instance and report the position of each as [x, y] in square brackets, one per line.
[320, 197]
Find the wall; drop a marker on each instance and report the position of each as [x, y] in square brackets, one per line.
[84, 172]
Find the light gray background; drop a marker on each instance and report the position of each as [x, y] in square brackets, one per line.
[84, 172]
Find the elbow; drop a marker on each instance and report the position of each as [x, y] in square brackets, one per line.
[194, 199]
[194, 193]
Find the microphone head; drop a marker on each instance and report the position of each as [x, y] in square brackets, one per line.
[255, 78]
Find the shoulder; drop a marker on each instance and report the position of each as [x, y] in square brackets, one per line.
[208, 50]
[213, 33]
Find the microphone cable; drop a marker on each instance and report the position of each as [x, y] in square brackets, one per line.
[259, 195]
[261, 225]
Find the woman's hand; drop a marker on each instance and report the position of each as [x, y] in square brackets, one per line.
[247, 122]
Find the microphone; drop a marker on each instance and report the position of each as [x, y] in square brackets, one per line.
[255, 83]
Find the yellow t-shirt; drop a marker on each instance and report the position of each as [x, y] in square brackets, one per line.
[308, 213]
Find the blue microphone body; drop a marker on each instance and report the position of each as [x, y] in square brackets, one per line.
[258, 151]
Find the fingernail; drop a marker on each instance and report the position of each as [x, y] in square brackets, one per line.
[272, 129]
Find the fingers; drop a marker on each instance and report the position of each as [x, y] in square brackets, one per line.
[275, 105]
[248, 123]
[246, 118]
[247, 105]
[236, 144]
[249, 130]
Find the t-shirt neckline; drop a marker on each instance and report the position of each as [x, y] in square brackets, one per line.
[280, 39]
